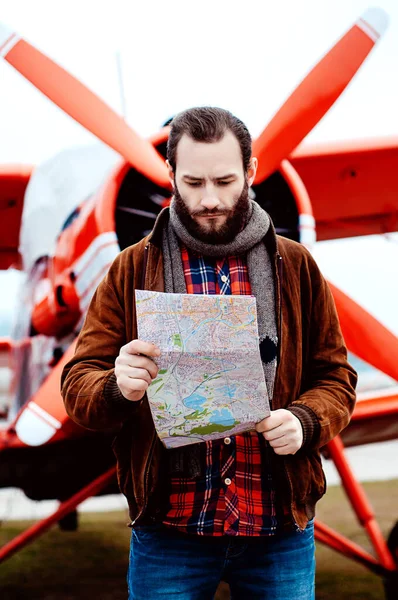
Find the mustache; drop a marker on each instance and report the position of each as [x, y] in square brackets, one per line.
[210, 213]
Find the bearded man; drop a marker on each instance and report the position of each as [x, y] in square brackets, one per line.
[240, 508]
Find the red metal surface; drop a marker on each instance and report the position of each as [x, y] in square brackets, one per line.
[352, 186]
[340, 543]
[48, 398]
[87, 108]
[13, 182]
[66, 507]
[297, 187]
[160, 136]
[380, 405]
[360, 504]
[364, 335]
[5, 344]
[345, 147]
[311, 100]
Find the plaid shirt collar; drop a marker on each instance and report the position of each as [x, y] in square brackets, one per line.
[215, 276]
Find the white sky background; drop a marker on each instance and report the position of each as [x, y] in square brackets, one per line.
[246, 56]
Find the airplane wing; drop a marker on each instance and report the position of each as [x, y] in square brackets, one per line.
[13, 182]
[375, 418]
[353, 186]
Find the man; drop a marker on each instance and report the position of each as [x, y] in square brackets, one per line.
[240, 508]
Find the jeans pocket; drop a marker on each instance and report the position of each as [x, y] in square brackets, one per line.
[142, 532]
[310, 523]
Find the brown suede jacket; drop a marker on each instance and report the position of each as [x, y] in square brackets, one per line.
[313, 378]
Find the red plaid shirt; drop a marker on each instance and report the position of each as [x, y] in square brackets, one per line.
[235, 493]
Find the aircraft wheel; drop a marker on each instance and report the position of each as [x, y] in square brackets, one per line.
[392, 542]
[391, 586]
[391, 583]
[70, 522]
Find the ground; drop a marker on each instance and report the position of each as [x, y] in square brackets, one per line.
[92, 562]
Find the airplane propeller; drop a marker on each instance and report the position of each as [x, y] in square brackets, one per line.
[317, 93]
[81, 104]
[294, 120]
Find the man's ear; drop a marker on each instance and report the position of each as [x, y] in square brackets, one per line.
[252, 170]
[171, 173]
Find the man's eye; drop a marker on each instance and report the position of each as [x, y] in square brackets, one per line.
[194, 183]
[224, 182]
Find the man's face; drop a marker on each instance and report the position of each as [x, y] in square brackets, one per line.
[211, 188]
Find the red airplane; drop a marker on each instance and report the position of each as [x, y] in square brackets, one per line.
[65, 221]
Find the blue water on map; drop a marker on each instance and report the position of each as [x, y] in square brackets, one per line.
[227, 390]
[222, 416]
[194, 401]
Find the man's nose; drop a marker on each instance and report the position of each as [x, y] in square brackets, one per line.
[210, 198]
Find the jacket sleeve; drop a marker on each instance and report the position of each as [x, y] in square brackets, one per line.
[88, 384]
[328, 398]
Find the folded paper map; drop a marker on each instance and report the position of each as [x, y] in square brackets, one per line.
[210, 381]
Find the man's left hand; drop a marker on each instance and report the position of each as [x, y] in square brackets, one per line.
[283, 430]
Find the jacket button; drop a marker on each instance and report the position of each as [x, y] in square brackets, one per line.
[227, 481]
[227, 441]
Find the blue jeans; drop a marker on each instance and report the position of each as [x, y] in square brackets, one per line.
[167, 564]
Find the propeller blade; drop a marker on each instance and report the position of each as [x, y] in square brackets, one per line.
[365, 336]
[317, 93]
[82, 105]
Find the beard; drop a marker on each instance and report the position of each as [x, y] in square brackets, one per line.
[236, 219]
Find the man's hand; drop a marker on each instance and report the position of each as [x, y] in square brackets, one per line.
[134, 369]
[283, 430]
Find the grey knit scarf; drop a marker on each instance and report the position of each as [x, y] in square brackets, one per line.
[248, 242]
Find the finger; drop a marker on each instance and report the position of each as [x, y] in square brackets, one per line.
[133, 373]
[129, 385]
[141, 347]
[148, 365]
[268, 424]
[283, 450]
[138, 362]
[279, 443]
[274, 434]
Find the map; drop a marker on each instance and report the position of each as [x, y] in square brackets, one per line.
[210, 381]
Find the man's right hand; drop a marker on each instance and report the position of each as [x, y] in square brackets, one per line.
[134, 370]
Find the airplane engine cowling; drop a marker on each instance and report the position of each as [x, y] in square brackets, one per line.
[283, 195]
[306, 221]
[57, 313]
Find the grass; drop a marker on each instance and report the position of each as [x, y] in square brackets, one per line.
[92, 562]
[338, 577]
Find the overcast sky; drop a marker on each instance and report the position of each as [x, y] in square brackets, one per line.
[246, 56]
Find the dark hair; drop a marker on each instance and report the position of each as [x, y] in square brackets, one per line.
[208, 124]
